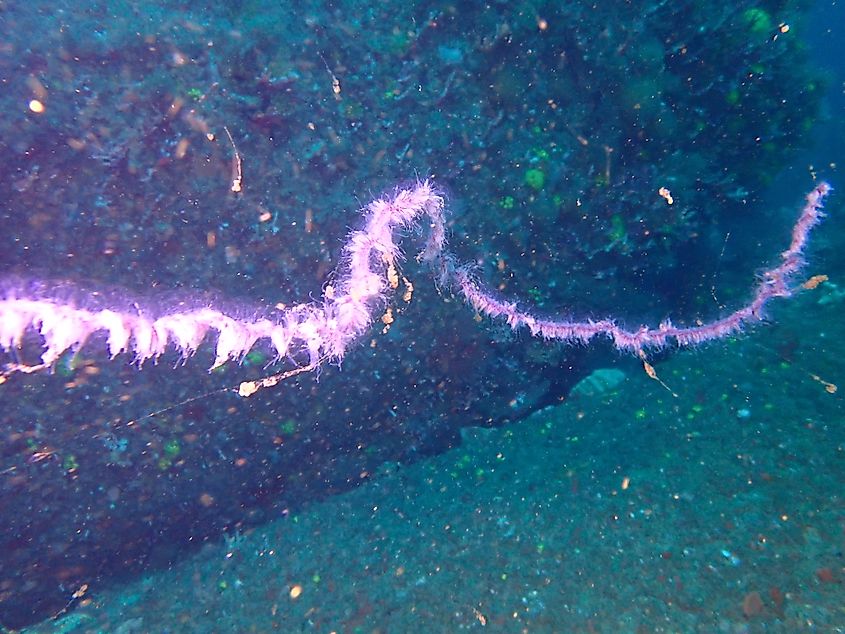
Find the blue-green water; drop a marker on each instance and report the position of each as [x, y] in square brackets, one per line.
[451, 474]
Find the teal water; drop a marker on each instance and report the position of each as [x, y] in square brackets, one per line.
[451, 474]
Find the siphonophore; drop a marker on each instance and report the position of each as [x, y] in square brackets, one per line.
[323, 330]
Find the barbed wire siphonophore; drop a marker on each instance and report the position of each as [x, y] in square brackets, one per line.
[323, 330]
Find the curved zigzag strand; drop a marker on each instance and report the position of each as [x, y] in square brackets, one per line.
[325, 329]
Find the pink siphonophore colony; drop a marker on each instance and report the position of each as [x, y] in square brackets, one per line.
[324, 330]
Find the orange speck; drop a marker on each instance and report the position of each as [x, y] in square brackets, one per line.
[814, 281]
[37, 88]
[752, 604]
[36, 106]
[182, 148]
[206, 500]
[175, 107]
[295, 591]
[777, 596]
[825, 575]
